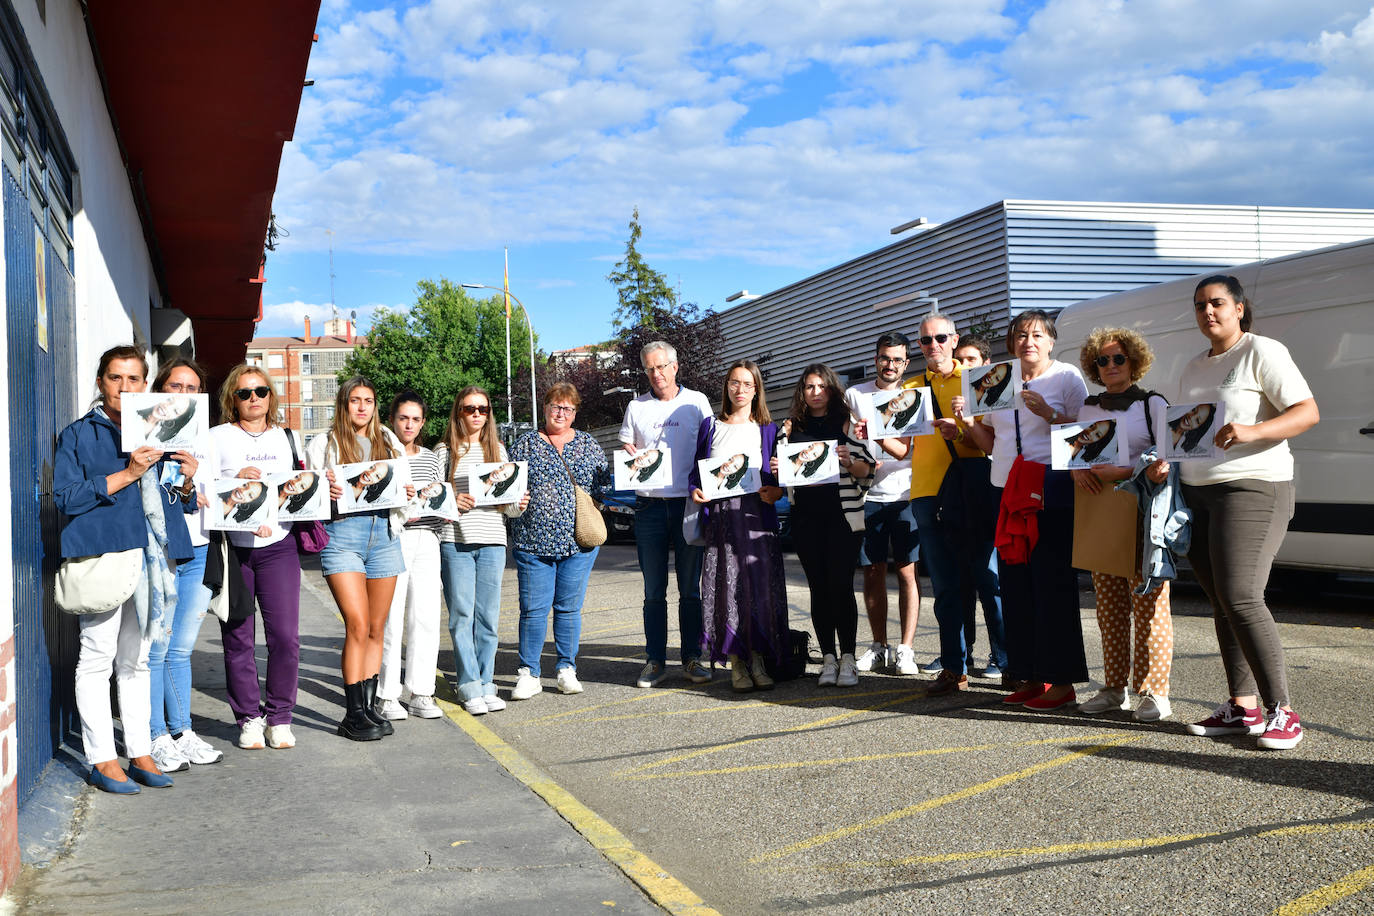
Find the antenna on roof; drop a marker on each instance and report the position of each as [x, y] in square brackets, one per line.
[330, 233]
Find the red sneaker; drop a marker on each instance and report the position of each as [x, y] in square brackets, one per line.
[1283, 731]
[1043, 703]
[1028, 692]
[1230, 719]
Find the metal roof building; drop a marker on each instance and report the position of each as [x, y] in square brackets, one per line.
[988, 265]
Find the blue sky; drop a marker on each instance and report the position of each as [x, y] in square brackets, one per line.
[763, 142]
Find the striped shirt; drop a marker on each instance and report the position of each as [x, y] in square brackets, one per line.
[480, 524]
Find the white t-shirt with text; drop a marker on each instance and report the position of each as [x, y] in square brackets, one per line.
[650, 422]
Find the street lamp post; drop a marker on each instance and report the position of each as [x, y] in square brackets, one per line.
[529, 326]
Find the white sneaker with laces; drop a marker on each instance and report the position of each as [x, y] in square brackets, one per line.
[849, 674]
[477, 706]
[168, 756]
[389, 709]
[875, 656]
[197, 750]
[494, 703]
[422, 707]
[830, 671]
[1107, 700]
[906, 661]
[526, 686]
[251, 734]
[567, 680]
[280, 737]
[1153, 708]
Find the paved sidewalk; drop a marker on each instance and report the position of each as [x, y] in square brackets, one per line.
[424, 821]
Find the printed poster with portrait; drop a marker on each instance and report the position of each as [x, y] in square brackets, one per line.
[723, 476]
[239, 504]
[369, 485]
[302, 496]
[1187, 432]
[990, 388]
[901, 413]
[171, 422]
[808, 464]
[646, 469]
[435, 500]
[1075, 446]
[498, 483]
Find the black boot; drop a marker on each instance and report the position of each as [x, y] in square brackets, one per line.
[370, 700]
[356, 725]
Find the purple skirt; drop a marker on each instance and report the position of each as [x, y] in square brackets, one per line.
[743, 591]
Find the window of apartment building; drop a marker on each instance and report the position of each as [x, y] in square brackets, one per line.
[307, 390]
[306, 362]
[274, 361]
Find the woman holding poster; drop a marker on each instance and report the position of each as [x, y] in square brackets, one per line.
[1241, 505]
[828, 520]
[473, 550]
[743, 590]
[363, 557]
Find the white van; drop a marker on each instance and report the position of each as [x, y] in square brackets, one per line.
[1320, 304]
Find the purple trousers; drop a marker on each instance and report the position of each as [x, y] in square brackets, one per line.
[273, 575]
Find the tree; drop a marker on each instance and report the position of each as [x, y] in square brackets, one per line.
[445, 342]
[643, 292]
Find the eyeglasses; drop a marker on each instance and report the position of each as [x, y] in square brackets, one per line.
[1118, 358]
[244, 394]
[740, 386]
[561, 408]
[663, 368]
[938, 338]
[898, 360]
[182, 389]
[471, 409]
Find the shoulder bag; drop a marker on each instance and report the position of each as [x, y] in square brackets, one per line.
[99, 583]
[589, 528]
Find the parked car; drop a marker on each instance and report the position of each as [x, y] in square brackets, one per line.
[618, 511]
[784, 510]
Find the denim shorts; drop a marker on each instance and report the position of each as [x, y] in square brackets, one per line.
[363, 543]
[889, 526]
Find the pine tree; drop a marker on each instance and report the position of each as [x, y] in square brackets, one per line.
[643, 292]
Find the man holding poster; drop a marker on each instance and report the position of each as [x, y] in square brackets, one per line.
[667, 415]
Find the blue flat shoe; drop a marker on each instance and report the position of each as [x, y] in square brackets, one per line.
[148, 778]
[106, 784]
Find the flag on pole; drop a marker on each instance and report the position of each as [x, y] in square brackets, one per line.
[506, 284]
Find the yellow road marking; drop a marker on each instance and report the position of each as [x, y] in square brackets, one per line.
[665, 890]
[867, 758]
[1323, 897]
[731, 707]
[829, 720]
[939, 801]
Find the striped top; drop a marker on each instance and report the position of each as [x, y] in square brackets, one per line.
[425, 467]
[480, 524]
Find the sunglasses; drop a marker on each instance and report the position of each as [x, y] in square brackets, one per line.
[471, 409]
[244, 394]
[1118, 358]
[938, 338]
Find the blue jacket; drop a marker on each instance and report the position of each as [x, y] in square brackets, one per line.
[1167, 521]
[87, 452]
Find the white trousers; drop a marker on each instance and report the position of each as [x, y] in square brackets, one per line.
[111, 642]
[414, 612]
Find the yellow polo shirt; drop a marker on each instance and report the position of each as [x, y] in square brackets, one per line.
[930, 457]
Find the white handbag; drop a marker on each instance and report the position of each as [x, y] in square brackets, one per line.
[100, 583]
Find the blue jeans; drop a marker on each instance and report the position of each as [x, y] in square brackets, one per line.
[978, 567]
[558, 584]
[939, 553]
[658, 527]
[471, 574]
[169, 658]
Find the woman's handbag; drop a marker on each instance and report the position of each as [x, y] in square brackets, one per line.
[310, 536]
[589, 528]
[100, 583]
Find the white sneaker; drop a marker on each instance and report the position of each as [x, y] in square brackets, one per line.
[1153, 708]
[526, 686]
[567, 680]
[477, 706]
[196, 750]
[422, 707]
[906, 661]
[389, 709]
[849, 673]
[168, 756]
[280, 737]
[250, 734]
[875, 656]
[494, 703]
[830, 672]
[1107, 700]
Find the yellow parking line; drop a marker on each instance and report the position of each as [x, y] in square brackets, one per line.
[1323, 897]
[868, 758]
[743, 704]
[829, 720]
[932, 803]
[665, 890]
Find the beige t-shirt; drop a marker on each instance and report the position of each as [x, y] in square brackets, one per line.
[1257, 380]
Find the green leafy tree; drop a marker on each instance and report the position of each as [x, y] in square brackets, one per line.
[445, 342]
[643, 292]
